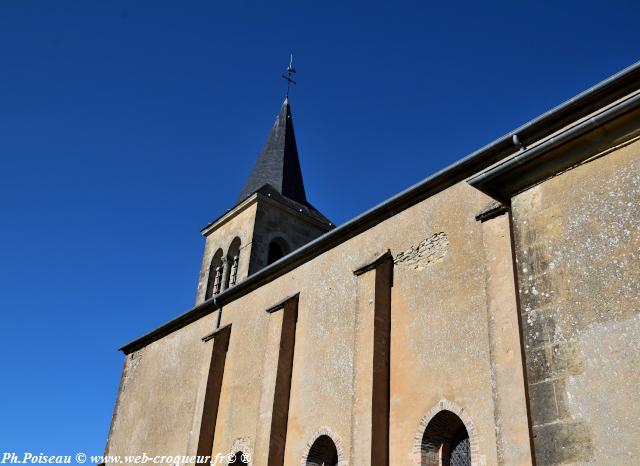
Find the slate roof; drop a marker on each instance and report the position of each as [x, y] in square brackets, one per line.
[278, 164]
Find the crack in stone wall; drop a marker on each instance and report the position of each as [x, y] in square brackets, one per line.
[430, 251]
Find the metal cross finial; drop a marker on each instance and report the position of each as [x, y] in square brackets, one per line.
[290, 71]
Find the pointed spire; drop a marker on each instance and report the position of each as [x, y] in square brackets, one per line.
[278, 164]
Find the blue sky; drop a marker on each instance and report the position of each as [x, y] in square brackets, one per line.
[127, 126]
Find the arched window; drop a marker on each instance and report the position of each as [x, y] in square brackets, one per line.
[239, 459]
[215, 275]
[445, 441]
[233, 262]
[323, 452]
[278, 248]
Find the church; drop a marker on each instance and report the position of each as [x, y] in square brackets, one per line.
[488, 315]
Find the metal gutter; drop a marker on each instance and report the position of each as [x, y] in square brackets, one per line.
[598, 96]
[484, 179]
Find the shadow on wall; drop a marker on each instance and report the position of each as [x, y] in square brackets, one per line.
[278, 248]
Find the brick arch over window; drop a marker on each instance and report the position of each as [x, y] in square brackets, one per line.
[443, 426]
[324, 449]
[240, 447]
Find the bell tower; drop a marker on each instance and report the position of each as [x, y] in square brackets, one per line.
[271, 218]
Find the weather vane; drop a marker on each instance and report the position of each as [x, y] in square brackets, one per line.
[290, 72]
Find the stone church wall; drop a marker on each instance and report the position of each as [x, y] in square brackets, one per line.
[440, 340]
[441, 349]
[161, 390]
[577, 244]
[455, 338]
